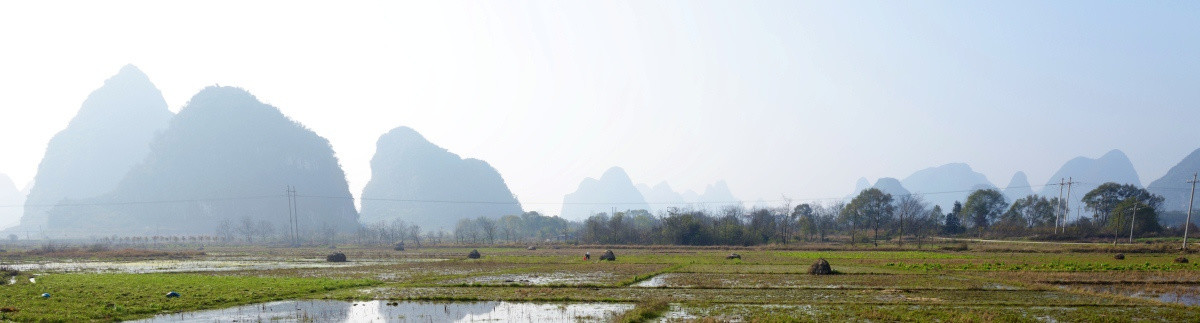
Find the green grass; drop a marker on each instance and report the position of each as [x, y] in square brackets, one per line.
[990, 282]
[112, 297]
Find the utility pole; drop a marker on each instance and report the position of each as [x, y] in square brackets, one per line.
[293, 229]
[295, 219]
[1067, 203]
[288, 192]
[1133, 218]
[1058, 215]
[1191, 200]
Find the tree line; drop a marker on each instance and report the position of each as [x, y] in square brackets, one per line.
[870, 217]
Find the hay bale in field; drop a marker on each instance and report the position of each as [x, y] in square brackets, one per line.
[531, 248]
[733, 256]
[336, 257]
[474, 254]
[1181, 260]
[608, 255]
[1119, 256]
[821, 267]
[398, 247]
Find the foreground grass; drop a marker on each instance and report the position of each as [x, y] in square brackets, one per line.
[984, 282]
[114, 297]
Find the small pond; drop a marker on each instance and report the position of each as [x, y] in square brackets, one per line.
[385, 311]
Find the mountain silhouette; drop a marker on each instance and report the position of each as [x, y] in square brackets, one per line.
[614, 190]
[224, 157]
[1018, 187]
[943, 185]
[662, 197]
[891, 186]
[1089, 173]
[423, 184]
[1173, 185]
[108, 136]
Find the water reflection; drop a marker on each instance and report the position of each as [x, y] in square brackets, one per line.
[383, 311]
[1169, 293]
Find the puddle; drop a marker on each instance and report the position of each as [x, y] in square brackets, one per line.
[168, 266]
[381, 311]
[540, 279]
[654, 282]
[1178, 294]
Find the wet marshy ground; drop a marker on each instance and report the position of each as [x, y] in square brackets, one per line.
[557, 285]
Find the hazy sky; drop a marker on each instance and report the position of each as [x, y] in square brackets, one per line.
[778, 98]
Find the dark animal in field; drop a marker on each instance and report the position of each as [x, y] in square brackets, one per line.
[336, 257]
[608, 255]
[474, 254]
[1119, 256]
[733, 256]
[1181, 260]
[821, 267]
[531, 248]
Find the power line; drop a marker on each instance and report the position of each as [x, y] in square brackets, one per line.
[497, 202]
[147, 202]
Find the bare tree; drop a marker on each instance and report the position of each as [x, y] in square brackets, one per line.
[488, 228]
[414, 231]
[225, 230]
[246, 229]
[264, 229]
[907, 208]
[510, 224]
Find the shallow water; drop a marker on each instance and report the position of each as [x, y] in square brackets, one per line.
[1179, 294]
[381, 311]
[656, 281]
[541, 278]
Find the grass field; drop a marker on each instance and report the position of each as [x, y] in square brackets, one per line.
[990, 281]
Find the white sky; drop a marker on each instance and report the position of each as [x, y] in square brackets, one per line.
[778, 98]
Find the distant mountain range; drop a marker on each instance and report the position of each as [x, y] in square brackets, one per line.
[418, 182]
[662, 198]
[943, 185]
[108, 136]
[1089, 173]
[613, 191]
[225, 157]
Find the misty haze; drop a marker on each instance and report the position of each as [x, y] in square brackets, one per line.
[615, 161]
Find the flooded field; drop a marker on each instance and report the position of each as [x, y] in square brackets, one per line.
[644, 284]
[384, 311]
[1168, 293]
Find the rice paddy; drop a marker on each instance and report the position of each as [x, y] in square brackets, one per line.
[987, 282]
